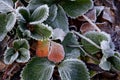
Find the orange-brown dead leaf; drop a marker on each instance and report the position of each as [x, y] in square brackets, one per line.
[42, 49]
[56, 53]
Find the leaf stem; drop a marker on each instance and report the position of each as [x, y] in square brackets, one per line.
[93, 58]
[87, 39]
[80, 47]
[93, 24]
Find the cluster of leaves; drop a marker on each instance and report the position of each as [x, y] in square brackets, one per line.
[19, 52]
[46, 22]
[106, 46]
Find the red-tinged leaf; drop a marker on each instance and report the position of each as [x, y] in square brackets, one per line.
[42, 49]
[56, 53]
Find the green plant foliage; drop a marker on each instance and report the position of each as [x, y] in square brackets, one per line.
[14, 1]
[2, 26]
[96, 37]
[76, 8]
[6, 6]
[73, 69]
[34, 27]
[115, 62]
[59, 9]
[21, 43]
[37, 31]
[11, 19]
[107, 50]
[25, 35]
[41, 31]
[104, 64]
[24, 55]
[10, 2]
[19, 53]
[40, 14]
[33, 4]
[38, 69]
[42, 26]
[10, 56]
[24, 12]
[60, 21]
[52, 13]
[73, 8]
[7, 23]
[58, 34]
[71, 46]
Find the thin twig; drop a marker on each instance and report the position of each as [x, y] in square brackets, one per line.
[87, 39]
[93, 24]
[80, 47]
[93, 58]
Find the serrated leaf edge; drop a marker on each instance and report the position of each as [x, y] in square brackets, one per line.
[49, 28]
[80, 62]
[26, 66]
[45, 17]
[5, 55]
[83, 12]
[28, 57]
[22, 40]
[19, 16]
[9, 27]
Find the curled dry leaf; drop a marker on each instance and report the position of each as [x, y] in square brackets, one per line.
[56, 53]
[86, 27]
[106, 27]
[2, 66]
[108, 15]
[42, 49]
[91, 14]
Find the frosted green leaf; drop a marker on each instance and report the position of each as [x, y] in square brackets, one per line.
[70, 45]
[96, 37]
[11, 17]
[10, 56]
[61, 20]
[41, 32]
[21, 43]
[24, 12]
[24, 55]
[58, 34]
[106, 49]
[40, 14]
[115, 62]
[3, 31]
[2, 36]
[75, 8]
[33, 4]
[9, 2]
[52, 12]
[7, 23]
[38, 69]
[5, 7]
[104, 64]
[73, 69]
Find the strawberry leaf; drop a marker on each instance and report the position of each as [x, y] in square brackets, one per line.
[38, 69]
